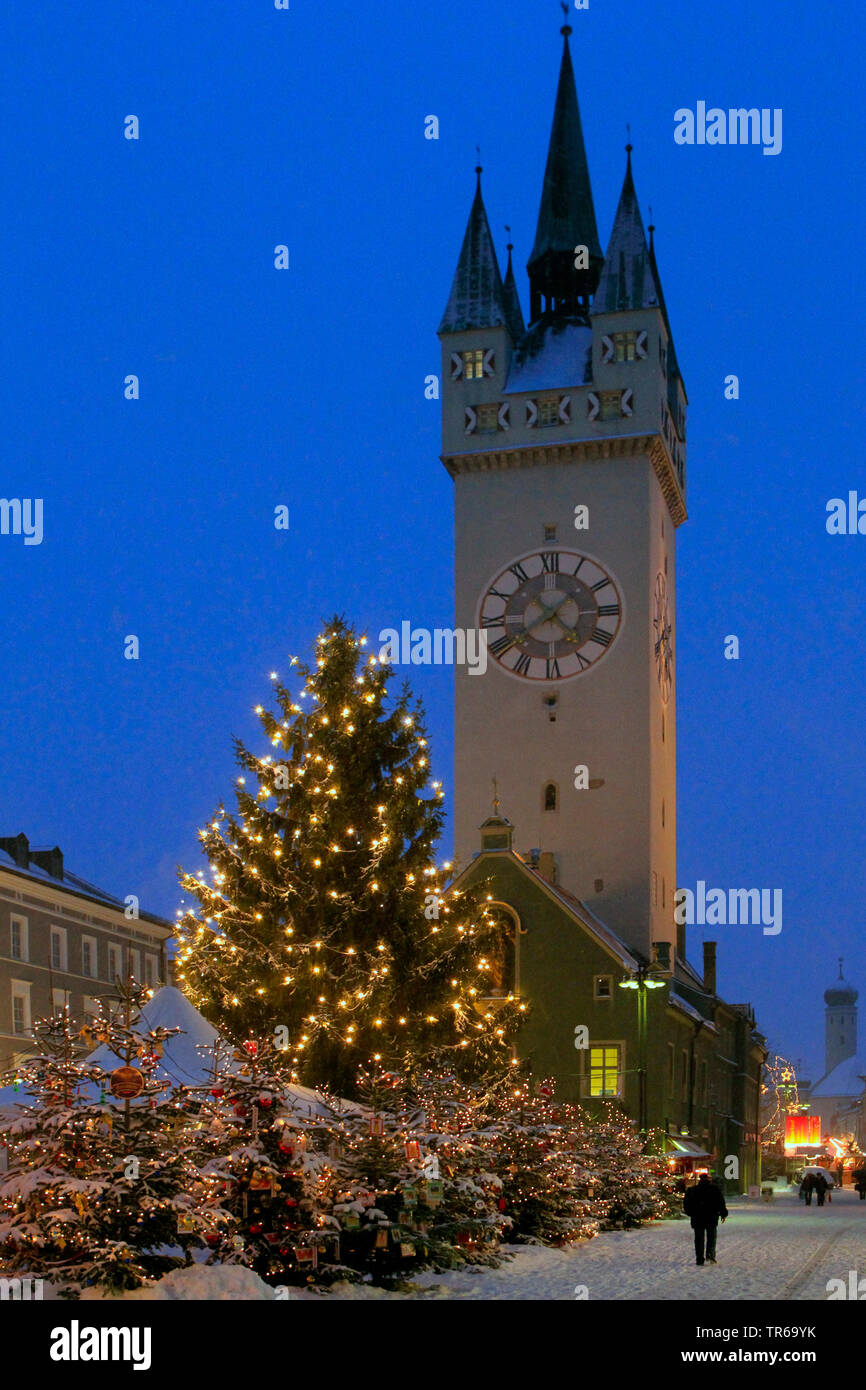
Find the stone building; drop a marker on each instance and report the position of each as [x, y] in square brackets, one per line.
[63, 941]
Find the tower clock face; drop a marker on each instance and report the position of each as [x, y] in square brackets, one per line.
[551, 615]
[663, 638]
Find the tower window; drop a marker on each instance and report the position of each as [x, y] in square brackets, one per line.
[548, 412]
[625, 346]
[488, 418]
[610, 404]
[473, 364]
[550, 533]
[550, 797]
[551, 700]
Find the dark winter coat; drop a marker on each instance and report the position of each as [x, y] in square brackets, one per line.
[704, 1203]
[821, 1183]
[859, 1178]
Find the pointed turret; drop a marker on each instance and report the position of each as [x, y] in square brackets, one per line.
[477, 298]
[566, 218]
[673, 365]
[513, 311]
[627, 279]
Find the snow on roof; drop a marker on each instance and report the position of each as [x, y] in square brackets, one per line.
[68, 881]
[551, 357]
[846, 1079]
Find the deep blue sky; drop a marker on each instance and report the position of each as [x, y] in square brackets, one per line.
[306, 387]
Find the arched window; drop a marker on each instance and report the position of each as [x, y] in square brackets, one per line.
[502, 954]
[550, 797]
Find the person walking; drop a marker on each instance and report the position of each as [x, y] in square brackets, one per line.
[860, 1182]
[807, 1187]
[821, 1186]
[705, 1205]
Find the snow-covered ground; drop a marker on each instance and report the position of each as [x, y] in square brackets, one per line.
[766, 1250]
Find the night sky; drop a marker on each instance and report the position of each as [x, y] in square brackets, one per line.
[306, 388]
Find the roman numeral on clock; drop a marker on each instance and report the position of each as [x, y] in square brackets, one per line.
[501, 645]
[553, 671]
[603, 638]
[550, 561]
[522, 664]
[492, 622]
[599, 584]
[519, 573]
[609, 610]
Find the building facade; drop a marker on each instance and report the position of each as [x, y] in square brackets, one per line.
[63, 941]
[566, 441]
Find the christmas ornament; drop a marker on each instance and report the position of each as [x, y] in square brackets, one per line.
[413, 1150]
[126, 1083]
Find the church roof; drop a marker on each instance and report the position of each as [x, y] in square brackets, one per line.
[846, 1079]
[511, 298]
[840, 992]
[477, 298]
[566, 217]
[627, 278]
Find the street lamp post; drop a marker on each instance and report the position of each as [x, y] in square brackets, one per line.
[641, 980]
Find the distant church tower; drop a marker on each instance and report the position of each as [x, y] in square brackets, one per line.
[840, 1029]
[566, 443]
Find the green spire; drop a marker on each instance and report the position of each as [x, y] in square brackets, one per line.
[513, 311]
[627, 279]
[566, 218]
[477, 298]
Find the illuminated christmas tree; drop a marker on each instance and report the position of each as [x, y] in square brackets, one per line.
[325, 921]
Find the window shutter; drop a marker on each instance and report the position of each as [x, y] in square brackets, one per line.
[607, 348]
[594, 406]
[565, 410]
[625, 404]
[456, 366]
[531, 414]
[489, 362]
[471, 420]
[640, 345]
[504, 416]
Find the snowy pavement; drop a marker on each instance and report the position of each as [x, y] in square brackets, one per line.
[766, 1250]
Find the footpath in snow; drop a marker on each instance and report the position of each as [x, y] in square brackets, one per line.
[766, 1250]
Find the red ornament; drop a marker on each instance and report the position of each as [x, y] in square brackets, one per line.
[256, 1228]
[218, 1092]
[265, 1101]
[126, 1083]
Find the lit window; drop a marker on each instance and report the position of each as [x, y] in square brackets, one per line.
[548, 412]
[604, 1071]
[473, 364]
[610, 404]
[625, 346]
[488, 418]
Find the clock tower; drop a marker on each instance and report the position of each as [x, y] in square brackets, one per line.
[566, 443]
